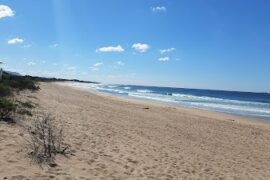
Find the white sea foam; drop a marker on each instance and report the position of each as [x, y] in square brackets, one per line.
[112, 86]
[82, 85]
[193, 98]
[111, 90]
[144, 91]
[224, 105]
[152, 97]
[251, 108]
[231, 107]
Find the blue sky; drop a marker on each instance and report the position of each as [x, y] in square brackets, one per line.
[213, 44]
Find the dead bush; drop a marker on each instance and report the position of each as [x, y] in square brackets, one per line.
[45, 140]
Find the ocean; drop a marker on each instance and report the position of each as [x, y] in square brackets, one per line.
[249, 104]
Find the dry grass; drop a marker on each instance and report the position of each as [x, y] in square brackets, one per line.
[45, 140]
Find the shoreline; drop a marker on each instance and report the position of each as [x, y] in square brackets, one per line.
[197, 110]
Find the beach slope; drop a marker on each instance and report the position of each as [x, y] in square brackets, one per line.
[115, 138]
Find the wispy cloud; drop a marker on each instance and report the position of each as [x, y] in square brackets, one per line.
[140, 47]
[6, 11]
[15, 41]
[31, 64]
[164, 58]
[159, 9]
[111, 49]
[2, 60]
[72, 68]
[162, 51]
[27, 46]
[120, 63]
[96, 66]
[55, 45]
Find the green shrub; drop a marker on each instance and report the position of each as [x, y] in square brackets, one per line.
[5, 90]
[21, 83]
[6, 108]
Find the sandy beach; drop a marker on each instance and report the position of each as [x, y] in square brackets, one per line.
[114, 138]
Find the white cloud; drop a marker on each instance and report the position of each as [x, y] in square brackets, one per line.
[15, 41]
[164, 58]
[159, 9]
[54, 45]
[71, 68]
[162, 51]
[31, 64]
[5, 11]
[96, 66]
[111, 49]
[27, 46]
[141, 47]
[120, 63]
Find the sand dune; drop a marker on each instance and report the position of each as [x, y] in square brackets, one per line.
[114, 138]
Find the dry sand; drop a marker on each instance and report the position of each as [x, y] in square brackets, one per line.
[115, 138]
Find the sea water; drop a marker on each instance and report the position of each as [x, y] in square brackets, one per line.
[249, 104]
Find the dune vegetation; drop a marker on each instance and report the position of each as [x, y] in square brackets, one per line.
[10, 85]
